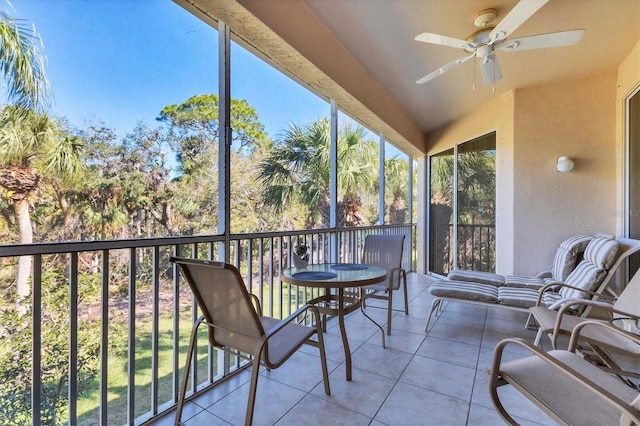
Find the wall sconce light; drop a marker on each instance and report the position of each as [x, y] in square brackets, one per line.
[564, 164]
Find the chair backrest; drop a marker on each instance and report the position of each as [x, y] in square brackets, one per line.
[224, 301]
[599, 256]
[384, 251]
[627, 247]
[567, 256]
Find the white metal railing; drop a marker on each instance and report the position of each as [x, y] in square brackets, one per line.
[152, 302]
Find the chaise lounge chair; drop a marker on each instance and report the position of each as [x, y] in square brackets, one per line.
[593, 275]
[567, 257]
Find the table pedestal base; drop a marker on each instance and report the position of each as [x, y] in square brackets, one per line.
[340, 305]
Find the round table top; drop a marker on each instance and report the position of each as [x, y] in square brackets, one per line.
[334, 275]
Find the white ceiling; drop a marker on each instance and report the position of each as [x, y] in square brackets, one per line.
[380, 35]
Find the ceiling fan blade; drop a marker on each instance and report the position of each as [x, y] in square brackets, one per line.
[518, 15]
[444, 69]
[490, 69]
[559, 39]
[443, 40]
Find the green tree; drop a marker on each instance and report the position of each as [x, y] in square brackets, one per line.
[193, 135]
[31, 146]
[297, 170]
[22, 63]
[396, 174]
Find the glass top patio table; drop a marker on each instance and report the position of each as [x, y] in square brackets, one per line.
[338, 277]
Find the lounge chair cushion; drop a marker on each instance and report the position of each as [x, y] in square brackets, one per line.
[567, 256]
[599, 256]
[476, 277]
[602, 252]
[565, 260]
[465, 290]
[522, 281]
[520, 297]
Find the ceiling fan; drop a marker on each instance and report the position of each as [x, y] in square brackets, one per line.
[488, 38]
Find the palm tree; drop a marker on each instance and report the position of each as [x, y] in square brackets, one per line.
[32, 147]
[22, 63]
[397, 186]
[297, 170]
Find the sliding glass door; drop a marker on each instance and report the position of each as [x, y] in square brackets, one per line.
[462, 222]
[633, 216]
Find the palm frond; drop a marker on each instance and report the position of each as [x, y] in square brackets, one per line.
[22, 62]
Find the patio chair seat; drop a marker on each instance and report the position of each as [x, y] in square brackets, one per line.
[568, 388]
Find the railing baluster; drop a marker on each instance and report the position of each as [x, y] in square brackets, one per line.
[175, 384]
[104, 337]
[131, 344]
[73, 338]
[155, 328]
[194, 317]
[36, 346]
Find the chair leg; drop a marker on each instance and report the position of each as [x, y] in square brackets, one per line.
[434, 307]
[389, 312]
[248, 420]
[530, 325]
[406, 296]
[536, 341]
[323, 360]
[187, 369]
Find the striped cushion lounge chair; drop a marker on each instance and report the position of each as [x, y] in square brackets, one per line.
[567, 257]
[602, 258]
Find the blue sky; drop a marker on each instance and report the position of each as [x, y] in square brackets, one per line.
[121, 61]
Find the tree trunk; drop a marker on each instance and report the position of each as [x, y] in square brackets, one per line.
[398, 211]
[20, 182]
[21, 208]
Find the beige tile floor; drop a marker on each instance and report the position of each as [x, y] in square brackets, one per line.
[434, 378]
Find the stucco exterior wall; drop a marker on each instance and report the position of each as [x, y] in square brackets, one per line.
[497, 116]
[537, 207]
[575, 118]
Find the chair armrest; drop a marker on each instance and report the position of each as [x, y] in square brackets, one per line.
[575, 334]
[282, 324]
[544, 274]
[402, 274]
[557, 285]
[547, 287]
[568, 304]
[256, 301]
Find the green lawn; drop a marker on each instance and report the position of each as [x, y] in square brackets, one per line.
[88, 403]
